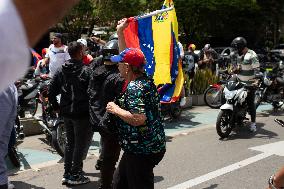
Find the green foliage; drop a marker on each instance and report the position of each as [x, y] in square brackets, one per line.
[202, 79]
[79, 20]
[110, 11]
[200, 21]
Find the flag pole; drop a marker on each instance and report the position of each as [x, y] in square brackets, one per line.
[154, 13]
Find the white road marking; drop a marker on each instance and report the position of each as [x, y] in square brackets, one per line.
[267, 149]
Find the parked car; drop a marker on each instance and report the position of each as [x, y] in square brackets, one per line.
[223, 51]
[279, 48]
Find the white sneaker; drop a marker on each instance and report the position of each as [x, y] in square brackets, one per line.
[182, 101]
[10, 185]
[252, 127]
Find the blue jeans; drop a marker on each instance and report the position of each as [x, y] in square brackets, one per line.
[78, 133]
[8, 112]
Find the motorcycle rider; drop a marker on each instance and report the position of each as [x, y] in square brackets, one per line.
[105, 84]
[246, 72]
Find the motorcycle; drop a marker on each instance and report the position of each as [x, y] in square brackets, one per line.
[214, 95]
[52, 123]
[234, 111]
[27, 93]
[173, 109]
[170, 108]
[17, 136]
[270, 87]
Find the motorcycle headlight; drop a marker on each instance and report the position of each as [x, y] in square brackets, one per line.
[267, 81]
[229, 94]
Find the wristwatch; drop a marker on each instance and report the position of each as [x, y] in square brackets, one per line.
[270, 182]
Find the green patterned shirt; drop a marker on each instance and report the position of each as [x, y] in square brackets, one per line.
[141, 97]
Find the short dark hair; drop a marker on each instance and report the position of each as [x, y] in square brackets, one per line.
[74, 47]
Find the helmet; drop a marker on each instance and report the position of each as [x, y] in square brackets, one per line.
[83, 41]
[110, 49]
[239, 43]
[113, 36]
[43, 52]
[192, 46]
[207, 47]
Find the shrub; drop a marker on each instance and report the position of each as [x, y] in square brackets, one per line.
[202, 79]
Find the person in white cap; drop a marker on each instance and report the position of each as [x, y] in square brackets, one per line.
[87, 58]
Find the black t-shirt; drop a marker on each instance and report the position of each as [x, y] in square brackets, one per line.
[189, 60]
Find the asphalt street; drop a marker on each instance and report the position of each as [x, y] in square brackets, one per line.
[196, 157]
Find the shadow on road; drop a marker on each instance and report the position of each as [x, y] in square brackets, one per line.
[23, 185]
[184, 121]
[169, 138]
[90, 185]
[93, 174]
[212, 186]
[158, 179]
[244, 133]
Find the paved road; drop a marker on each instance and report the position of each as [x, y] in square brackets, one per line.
[196, 157]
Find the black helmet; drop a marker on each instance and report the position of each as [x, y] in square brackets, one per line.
[113, 36]
[110, 49]
[239, 43]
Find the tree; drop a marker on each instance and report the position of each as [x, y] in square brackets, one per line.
[80, 20]
[273, 11]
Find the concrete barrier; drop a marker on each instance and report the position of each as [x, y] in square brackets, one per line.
[31, 126]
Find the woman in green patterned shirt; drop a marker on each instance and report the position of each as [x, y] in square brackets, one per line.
[140, 129]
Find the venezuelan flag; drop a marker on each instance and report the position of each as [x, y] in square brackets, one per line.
[35, 57]
[157, 37]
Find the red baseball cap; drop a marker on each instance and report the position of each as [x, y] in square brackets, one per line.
[132, 56]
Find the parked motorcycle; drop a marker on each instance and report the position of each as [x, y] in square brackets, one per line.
[52, 123]
[27, 93]
[17, 136]
[270, 87]
[172, 107]
[234, 111]
[214, 95]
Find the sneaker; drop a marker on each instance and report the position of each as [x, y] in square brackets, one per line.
[182, 101]
[252, 127]
[78, 179]
[10, 185]
[98, 164]
[65, 178]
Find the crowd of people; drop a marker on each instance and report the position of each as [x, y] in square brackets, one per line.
[124, 107]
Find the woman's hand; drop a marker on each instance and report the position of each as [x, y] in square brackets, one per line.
[122, 24]
[112, 108]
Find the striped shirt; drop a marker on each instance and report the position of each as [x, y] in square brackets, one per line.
[249, 63]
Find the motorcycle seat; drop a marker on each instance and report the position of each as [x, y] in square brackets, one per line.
[222, 82]
[248, 86]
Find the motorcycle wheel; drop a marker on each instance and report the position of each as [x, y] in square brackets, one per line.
[257, 99]
[13, 155]
[213, 97]
[33, 104]
[175, 111]
[223, 125]
[59, 138]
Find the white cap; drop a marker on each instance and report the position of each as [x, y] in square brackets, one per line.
[83, 41]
